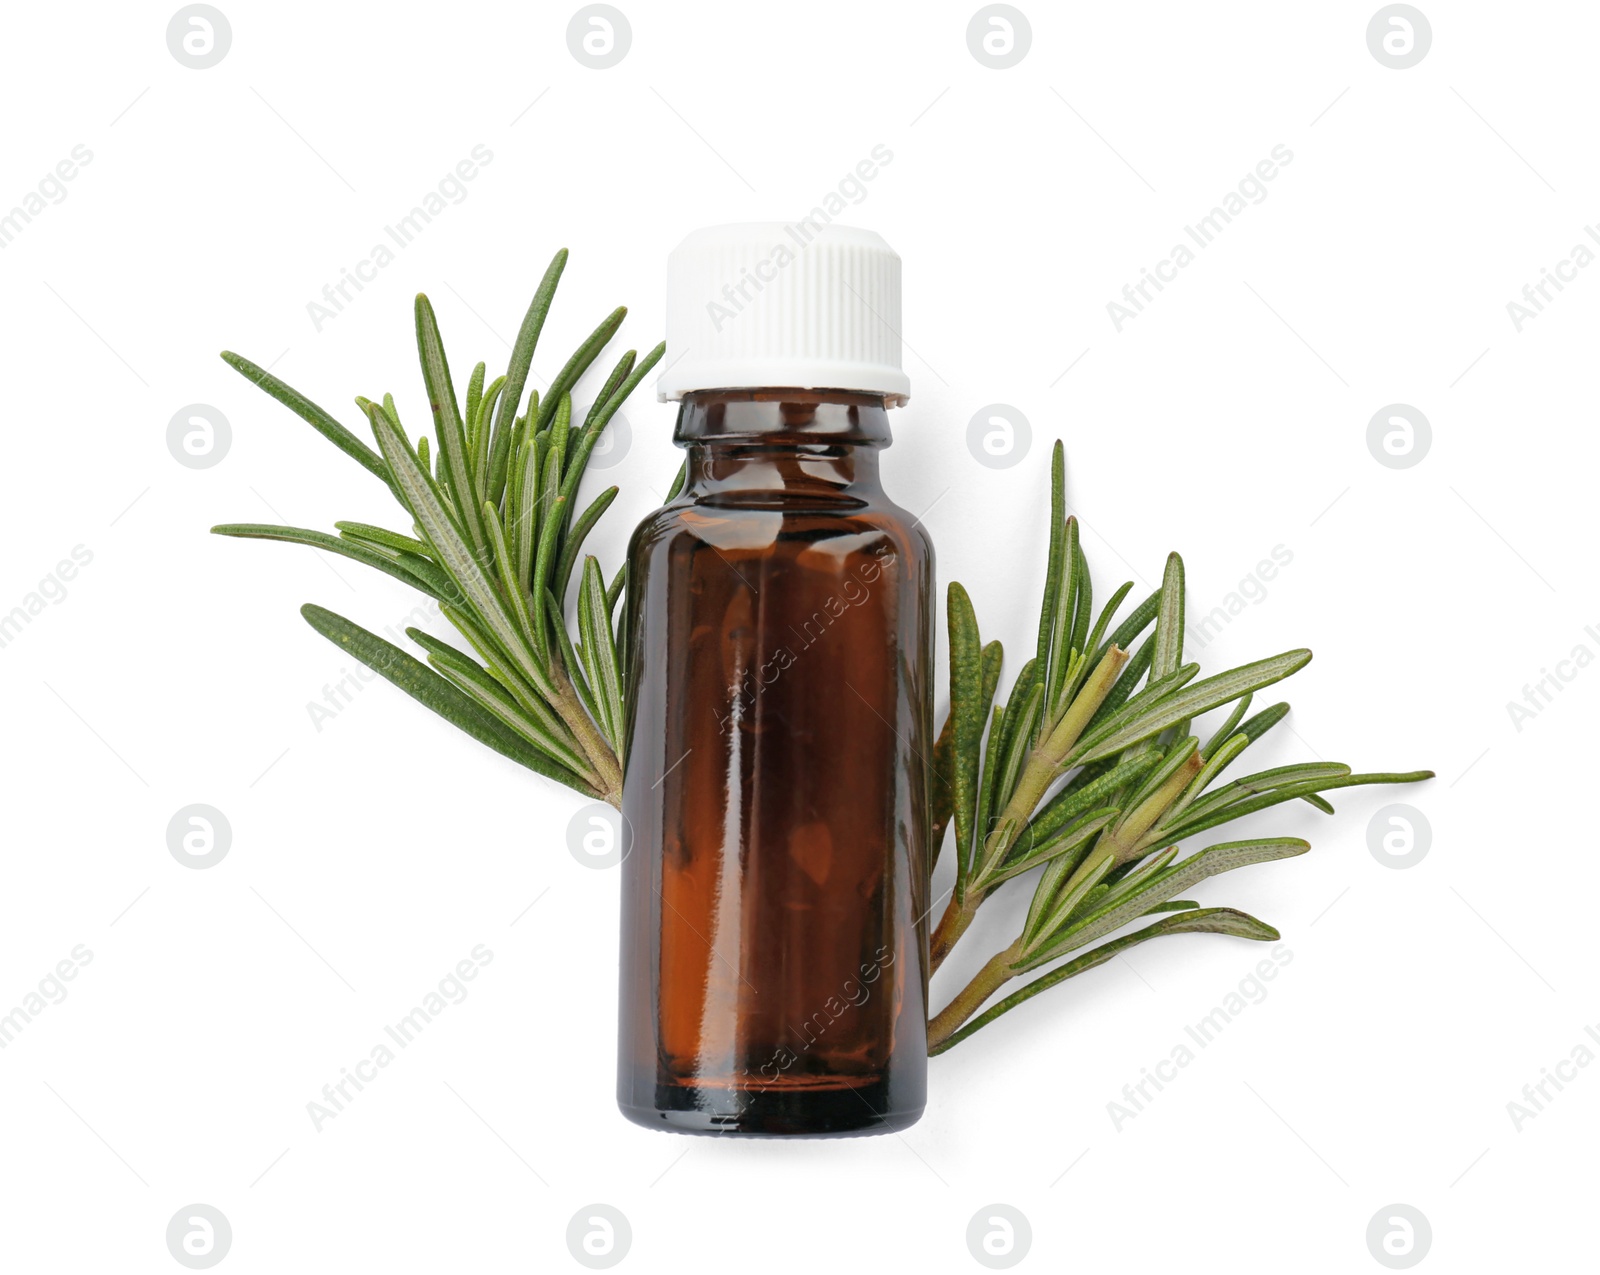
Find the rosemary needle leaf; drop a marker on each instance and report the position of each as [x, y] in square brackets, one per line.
[1013, 742]
[575, 367]
[497, 444]
[455, 464]
[527, 340]
[435, 577]
[1266, 780]
[575, 538]
[1173, 761]
[993, 657]
[503, 667]
[510, 587]
[333, 544]
[1015, 865]
[1197, 698]
[309, 412]
[985, 784]
[614, 589]
[1076, 798]
[430, 689]
[616, 400]
[1124, 905]
[1083, 602]
[491, 696]
[1055, 676]
[550, 520]
[1156, 691]
[1169, 623]
[1229, 726]
[1136, 623]
[455, 556]
[1198, 821]
[474, 398]
[599, 651]
[1017, 733]
[561, 427]
[618, 375]
[1213, 763]
[1053, 572]
[484, 687]
[1052, 909]
[1093, 644]
[1265, 720]
[569, 657]
[366, 533]
[1199, 921]
[525, 524]
[968, 711]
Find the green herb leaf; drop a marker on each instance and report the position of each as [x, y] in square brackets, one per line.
[1086, 793]
[1055, 677]
[1057, 561]
[1123, 907]
[309, 412]
[618, 375]
[1229, 725]
[381, 537]
[1202, 921]
[1169, 625]
[968, 710]
[574, 539]
[1195, 821]
[569, 657]
[575, 367]
[332, 544]
[527, 341]
[483, 686]
[1064, 843]
[1194, 699]
[455, 462]
[454, 553]
[435, 692]
[599, 653]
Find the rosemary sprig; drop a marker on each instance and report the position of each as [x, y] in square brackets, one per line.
[494, 542]
[1091, 773]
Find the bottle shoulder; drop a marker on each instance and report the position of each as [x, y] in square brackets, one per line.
[730, 527]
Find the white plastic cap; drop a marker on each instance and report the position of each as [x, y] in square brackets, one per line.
[783, 305]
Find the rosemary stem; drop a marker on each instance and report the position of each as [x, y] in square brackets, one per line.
[1126, 839]
[987, 981]
[952, 925]
[589, 738]
[1048, 758]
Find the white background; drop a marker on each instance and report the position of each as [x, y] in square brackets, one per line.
[369, 856]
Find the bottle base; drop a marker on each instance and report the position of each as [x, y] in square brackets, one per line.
[806, 1113]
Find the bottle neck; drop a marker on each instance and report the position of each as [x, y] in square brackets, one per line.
[810, 443]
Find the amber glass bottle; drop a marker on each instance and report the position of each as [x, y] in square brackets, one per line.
[778, 640]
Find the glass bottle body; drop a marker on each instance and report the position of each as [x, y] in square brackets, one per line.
[779, 643]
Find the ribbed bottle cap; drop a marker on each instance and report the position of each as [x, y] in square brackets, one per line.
[783, 305]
